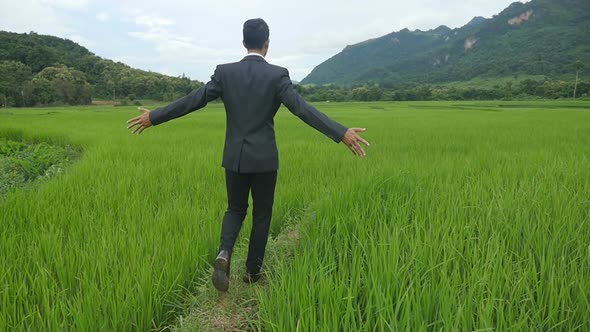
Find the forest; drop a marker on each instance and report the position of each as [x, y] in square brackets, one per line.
[411, 91]
[39, 70]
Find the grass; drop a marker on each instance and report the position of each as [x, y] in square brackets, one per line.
[23, 163]
[463, 216]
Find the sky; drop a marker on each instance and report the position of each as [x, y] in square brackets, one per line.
[178, 37]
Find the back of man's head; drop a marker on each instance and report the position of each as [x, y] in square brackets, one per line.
[255, 33]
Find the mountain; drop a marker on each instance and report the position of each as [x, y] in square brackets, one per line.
[39, 69]
[476, 21]
[541, 37]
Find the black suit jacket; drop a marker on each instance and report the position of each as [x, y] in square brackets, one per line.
[252, 91]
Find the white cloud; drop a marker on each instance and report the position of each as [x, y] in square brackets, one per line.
[172, 48]
[335, 40]
[153, 21]
[103, 16]
[82, 40]
[31, 15]
[67, 4]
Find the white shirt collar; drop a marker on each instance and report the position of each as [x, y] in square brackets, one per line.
[254, 53]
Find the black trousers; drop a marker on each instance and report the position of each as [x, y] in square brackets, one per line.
[238, 187]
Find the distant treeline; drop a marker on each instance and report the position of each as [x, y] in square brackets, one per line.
[47, 70]
[525, 89]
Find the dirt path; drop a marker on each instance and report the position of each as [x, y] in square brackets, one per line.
[237, 309]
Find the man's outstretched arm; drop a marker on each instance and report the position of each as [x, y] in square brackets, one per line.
[195, 100]
[318, 120]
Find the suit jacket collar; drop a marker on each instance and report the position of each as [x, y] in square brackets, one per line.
[253, 58]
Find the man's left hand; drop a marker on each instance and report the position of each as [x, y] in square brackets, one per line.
[140, 122]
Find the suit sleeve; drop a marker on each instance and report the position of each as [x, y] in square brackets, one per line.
[309, 114]
[195, 100]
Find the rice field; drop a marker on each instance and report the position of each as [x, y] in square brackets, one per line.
[463, 216]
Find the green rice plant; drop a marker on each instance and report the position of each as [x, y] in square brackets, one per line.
[463, 216]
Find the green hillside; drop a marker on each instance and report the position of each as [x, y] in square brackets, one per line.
[37, 69]
[541, 37]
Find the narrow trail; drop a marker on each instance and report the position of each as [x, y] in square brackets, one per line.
[237, 309]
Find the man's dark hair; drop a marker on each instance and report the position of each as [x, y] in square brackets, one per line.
[255, 33]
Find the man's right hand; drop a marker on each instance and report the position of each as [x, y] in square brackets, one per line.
[353, 141]
[140, 122]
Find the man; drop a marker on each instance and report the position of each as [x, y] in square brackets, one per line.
[252, 91]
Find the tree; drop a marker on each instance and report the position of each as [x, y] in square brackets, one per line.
[360, 94]
[508, 90]
[13, 77]
[578, 66]
[374, 93]
[42, 90]
[530, 87]
[61, 84]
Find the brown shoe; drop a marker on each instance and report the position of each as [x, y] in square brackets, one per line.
[220, 275]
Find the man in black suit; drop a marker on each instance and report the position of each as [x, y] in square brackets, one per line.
[252, 90]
